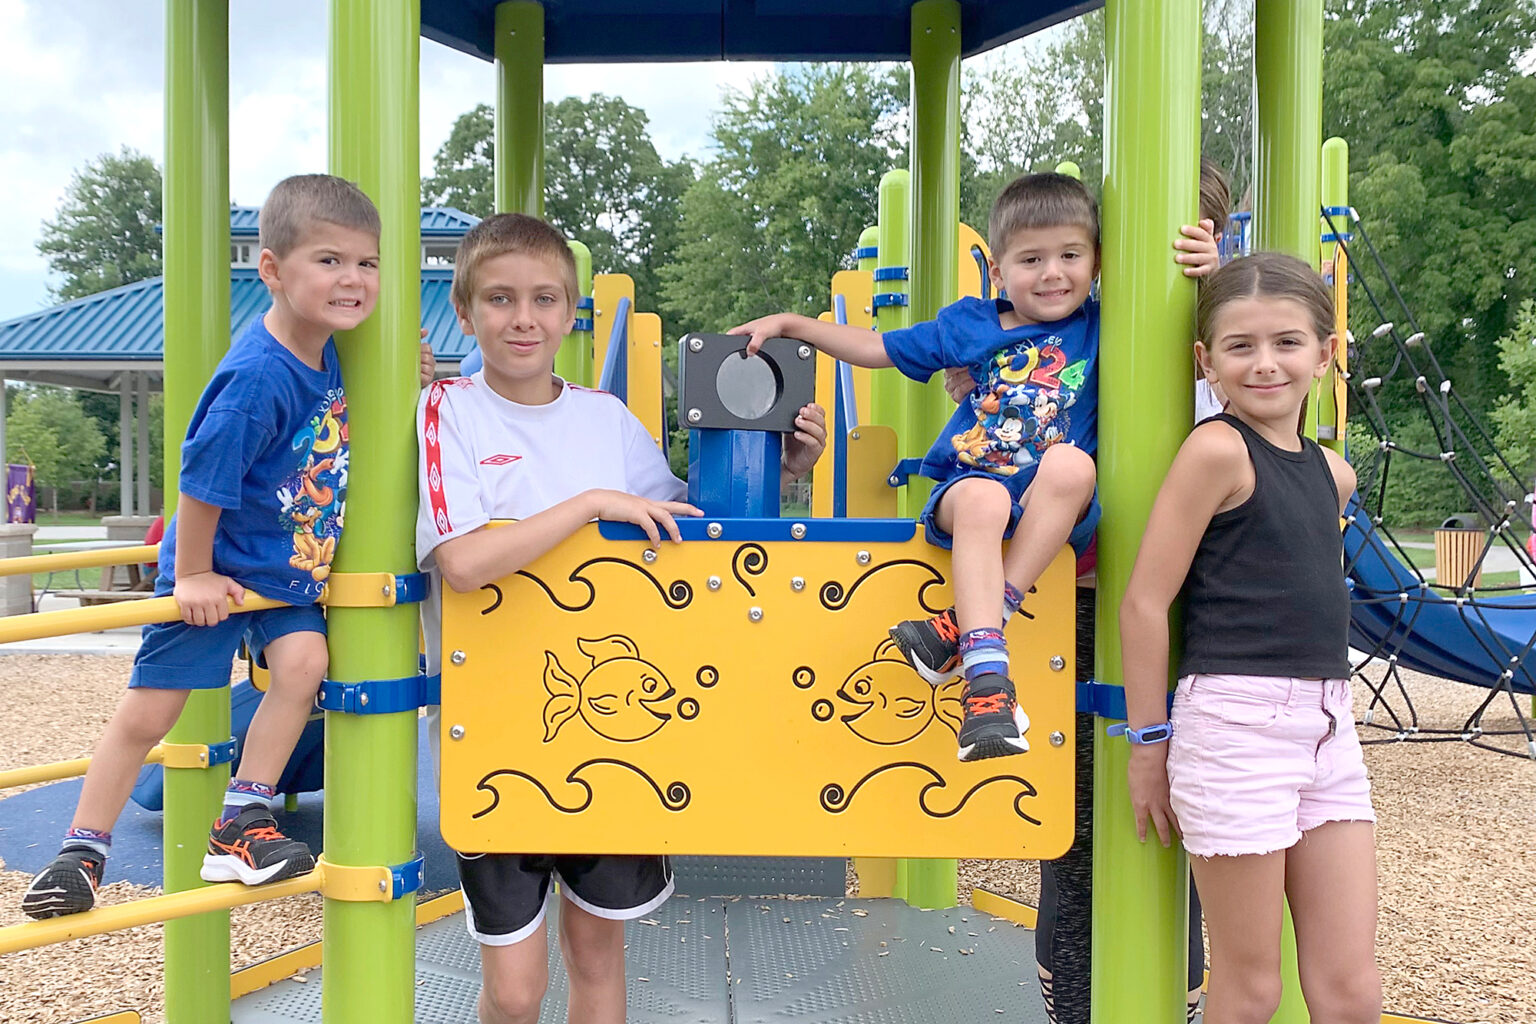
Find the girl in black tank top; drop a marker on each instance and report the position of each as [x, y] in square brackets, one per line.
[1259, 771]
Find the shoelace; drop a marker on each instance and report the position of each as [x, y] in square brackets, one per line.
[987, 703]
[264, 833]
[944, 625]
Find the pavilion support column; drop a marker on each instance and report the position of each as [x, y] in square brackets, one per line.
[519, 162]
[196, 210]
[935, 277]
[143, 445]
[1146, 401]
[370, 759]
[125, 444]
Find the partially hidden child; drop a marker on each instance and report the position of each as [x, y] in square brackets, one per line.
[262, 489]
[1259, 767]
[1017, 458]
[513, 441]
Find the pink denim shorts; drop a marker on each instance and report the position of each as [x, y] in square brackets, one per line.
[1255, 761]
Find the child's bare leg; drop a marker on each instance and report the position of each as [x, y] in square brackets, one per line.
[141, 720]
[1243, 899]
[1053, 503]
[1331, 881]
[298, 662]
[513, 979]
[974, 512]
[593, 948]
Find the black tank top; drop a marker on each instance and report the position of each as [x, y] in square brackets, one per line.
[1265, 594]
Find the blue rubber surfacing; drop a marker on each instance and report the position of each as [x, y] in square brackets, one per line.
[715, 960]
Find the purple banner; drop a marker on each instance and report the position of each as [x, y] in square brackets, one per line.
[20, 495]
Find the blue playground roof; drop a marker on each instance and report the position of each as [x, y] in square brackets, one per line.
[616, 31]
[436, 222]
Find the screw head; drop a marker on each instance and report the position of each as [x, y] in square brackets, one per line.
[695, 344]
[458, 657]
[755, 614]
[456, 732]
[797, 583]
[383, 885]
[362, 700]
[713, 583]
[804, 351]
[715, 531]
[649, 555]
[694, 415]
[797, 531]
[1058, 663]
[855, 435]
[1058, 738]
[862, 557]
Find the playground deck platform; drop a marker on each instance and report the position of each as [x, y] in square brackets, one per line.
[744, 960]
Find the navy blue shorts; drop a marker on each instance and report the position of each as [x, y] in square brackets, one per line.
[1016, 485]
[176, 656]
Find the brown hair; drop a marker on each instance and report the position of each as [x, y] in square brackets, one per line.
[1268, 275]
[1215, 194]
[295, 203]
[505, 233]
[1036, 201]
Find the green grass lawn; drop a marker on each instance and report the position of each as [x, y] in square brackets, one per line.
[68, 519]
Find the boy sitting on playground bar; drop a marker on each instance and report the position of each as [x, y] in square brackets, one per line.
[1018, 455]
[513, 441]
[262, 497]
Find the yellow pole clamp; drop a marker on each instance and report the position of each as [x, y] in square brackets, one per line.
[192, 755]
[373, 589]
[372, 883]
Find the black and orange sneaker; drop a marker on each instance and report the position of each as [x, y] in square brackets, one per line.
[931, 646]
[66, 886]
[994, 724]
[248, 848]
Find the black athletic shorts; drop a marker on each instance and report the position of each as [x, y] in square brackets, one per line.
[505, 894]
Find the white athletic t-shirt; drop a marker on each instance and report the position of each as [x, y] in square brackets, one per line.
[1206, 404]
[484, 457]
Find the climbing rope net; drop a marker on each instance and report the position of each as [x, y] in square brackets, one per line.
[1457, 628]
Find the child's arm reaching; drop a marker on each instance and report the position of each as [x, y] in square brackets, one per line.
[200, 592]
[1207, 472]
[857, 345]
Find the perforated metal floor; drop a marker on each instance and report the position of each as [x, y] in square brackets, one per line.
[727, 960]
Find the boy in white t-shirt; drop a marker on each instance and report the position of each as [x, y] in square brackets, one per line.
[513, 441]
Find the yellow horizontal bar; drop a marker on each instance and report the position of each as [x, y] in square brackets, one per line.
[151, 911]
[98, 558]
[56, 770]
[120, 1017]
[1001, 906]
[117, 616]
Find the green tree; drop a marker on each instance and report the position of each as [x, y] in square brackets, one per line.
[1515, 415]
[793, 181]
[104, 233]
[47, 427]
[462, 166]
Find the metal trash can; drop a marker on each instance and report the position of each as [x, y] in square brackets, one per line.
[1458, 543]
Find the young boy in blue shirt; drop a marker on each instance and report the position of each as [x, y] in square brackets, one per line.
[262, 498]
[1017, 458]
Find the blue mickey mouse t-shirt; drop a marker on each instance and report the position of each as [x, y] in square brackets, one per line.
[1036, 386]
[268, 445]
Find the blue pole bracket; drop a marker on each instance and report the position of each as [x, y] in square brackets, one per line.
[379, 696]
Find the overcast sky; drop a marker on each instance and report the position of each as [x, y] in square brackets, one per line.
[83, 77]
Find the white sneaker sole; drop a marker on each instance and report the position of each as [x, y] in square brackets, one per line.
[226, 867]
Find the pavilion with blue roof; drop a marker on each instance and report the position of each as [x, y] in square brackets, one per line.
[114, 341]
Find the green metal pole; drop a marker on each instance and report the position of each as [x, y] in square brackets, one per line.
[520, 107]
[1146, 400]
[887, 388]
[574, 360]
[935, 281]
[1325, 420]
[370, 760]
[1288, 87]
[196, 239]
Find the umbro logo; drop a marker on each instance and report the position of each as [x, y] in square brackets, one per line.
[500, 460]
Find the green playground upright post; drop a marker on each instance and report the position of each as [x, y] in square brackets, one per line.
[935, 275]
[1325, 420]
[869, 238]
[196, 243]
[1070, 169]
[1288, 80]
[887, 388]
[370, 759]
[574, 360]
[519, 162]
[1146, 403]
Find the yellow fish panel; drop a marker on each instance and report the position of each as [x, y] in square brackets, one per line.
[741, 696]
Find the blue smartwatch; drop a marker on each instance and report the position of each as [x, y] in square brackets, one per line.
[1145, 736]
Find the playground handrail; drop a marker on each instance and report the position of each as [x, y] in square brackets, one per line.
[99, 558]
[53, 771]
[90, 620]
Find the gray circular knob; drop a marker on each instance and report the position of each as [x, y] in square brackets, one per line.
[1058, 738]
[797, 531]
[649, 555]
[715, 531]
[797, 583]
[1058, 663]
[755, 614]
[804, 351]
[458, 657]
[695, 344]
[694, 415]
[862, 557]
[456, 732]
[713, 583]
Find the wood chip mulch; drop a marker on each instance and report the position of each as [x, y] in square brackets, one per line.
[1456, 849]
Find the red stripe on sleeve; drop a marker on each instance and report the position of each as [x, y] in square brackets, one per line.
[429, 432]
